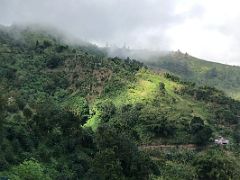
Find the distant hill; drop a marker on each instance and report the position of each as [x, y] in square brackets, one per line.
[69, 111]
[221, 76]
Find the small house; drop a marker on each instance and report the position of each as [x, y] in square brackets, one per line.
[221, 141]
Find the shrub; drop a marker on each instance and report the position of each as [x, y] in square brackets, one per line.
[28, 170]
[215, 164]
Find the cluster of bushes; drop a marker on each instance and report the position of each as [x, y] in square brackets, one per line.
[177, 79]
[184, 164]
[201, 132]
[146, 122]
[225, 108]
[49, 142]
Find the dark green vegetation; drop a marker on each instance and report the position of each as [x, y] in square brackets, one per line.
[70, 112]
[223, 77]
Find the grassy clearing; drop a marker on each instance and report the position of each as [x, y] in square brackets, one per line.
[94, 121]
[145, 90]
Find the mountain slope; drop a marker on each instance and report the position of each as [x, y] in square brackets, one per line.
[224, 77]
[71, 112]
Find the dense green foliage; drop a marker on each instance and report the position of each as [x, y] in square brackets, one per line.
[71, 112]
[216, 165]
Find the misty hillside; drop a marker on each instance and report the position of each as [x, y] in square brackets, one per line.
[189, 68]
[70, 111]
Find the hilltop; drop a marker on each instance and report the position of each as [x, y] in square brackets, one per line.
[68, 111]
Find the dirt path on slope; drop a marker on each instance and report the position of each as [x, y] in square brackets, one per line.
[168, 146]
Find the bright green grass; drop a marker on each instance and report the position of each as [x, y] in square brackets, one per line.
[94, 121]
[145, 89]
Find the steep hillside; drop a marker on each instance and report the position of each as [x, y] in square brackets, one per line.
[70, 112]
[224, 77]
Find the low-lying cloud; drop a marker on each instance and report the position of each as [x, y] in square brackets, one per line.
[208, 29]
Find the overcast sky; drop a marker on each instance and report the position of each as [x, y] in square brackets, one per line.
[208, 29]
